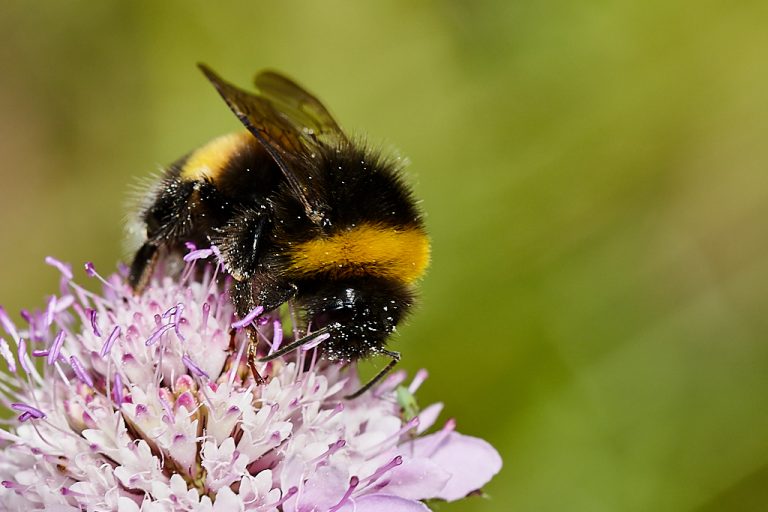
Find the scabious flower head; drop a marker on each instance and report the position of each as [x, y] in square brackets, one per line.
[147, 403]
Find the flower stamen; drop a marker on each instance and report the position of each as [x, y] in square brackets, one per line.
[53, 353]
[353, 483]
[113, 336]
[80, 372]
[26, 409]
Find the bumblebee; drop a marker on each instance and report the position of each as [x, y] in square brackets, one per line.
[299, 211]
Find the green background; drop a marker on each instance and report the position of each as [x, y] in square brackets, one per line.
[594, 175]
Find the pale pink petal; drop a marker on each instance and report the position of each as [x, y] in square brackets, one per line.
[227, 501]
[428, 416]
[383, 503]
[471, 461]
[416, 479]
[127, 504]
[321, 491]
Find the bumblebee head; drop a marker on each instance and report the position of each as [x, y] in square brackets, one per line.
[359, 314]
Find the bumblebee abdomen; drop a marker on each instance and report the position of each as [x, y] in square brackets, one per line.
[398, 253]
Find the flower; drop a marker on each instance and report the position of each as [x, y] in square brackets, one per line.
[147, 403]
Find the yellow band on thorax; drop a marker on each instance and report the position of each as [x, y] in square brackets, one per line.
[365, 250]
[209, 160]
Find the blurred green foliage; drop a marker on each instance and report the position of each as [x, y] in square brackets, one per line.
[595, 179]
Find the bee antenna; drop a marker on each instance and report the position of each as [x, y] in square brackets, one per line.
[368, 385]
[296, 344]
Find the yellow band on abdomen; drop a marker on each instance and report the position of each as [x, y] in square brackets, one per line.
[365, 250]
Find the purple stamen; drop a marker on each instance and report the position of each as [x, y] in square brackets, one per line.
[74, 362]
[159, 332]
[383, 469]
[53, 354]
[90, 269]
[332, 448]
[49, 310]
[40, 353]
[353, 483]
[22, 354]
[117, 390]
[277, 334]
[171, 311]
[5, 321]
[177, 321]
[190, 246]
[105, 349]
[31, 412]
[217, 252]
[248, 318]
[5, 351]
[64, 268]
[92, 316]
[312, 344]
[192, 367]
[197, 254]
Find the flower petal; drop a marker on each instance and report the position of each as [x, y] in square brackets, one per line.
[416, 479]
[428, 417]
[383, 503]
[471, 461]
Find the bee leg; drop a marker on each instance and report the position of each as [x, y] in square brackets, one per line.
[242, 297]
[252, 355]
[142, 267]
[368, 385]
[296, 344]
[251, 333]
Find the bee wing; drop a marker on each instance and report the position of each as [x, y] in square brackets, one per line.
[291, 147]
[301, 106]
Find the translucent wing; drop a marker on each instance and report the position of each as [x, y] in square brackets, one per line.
[287, 142]
[300, 106]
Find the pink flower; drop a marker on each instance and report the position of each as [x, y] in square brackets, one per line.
[147, 404]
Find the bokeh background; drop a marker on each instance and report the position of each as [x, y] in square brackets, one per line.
[594, 175]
